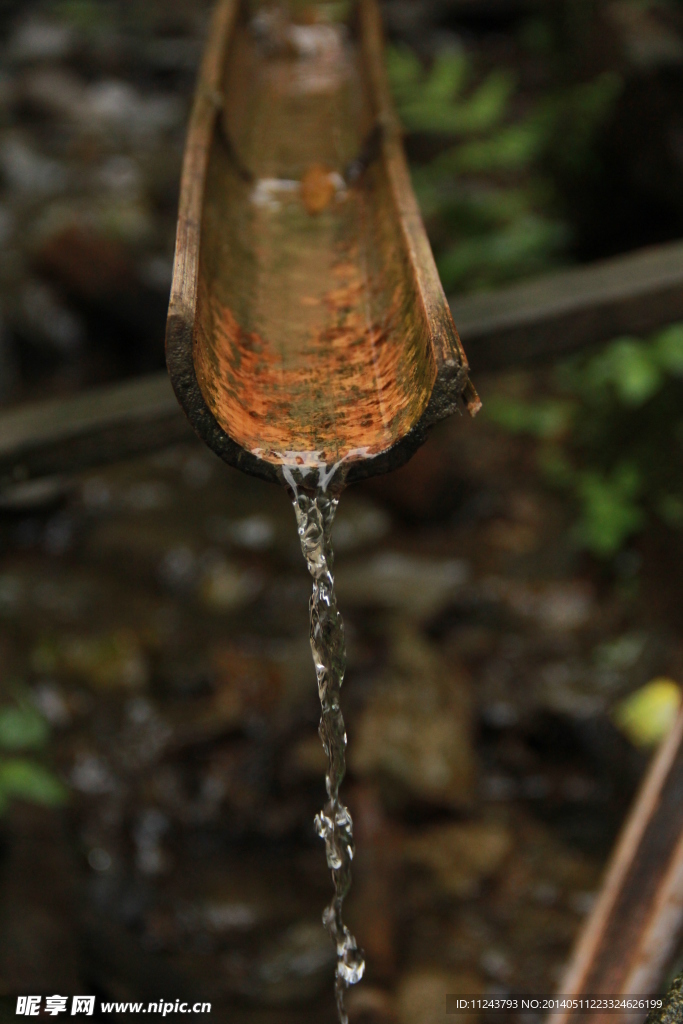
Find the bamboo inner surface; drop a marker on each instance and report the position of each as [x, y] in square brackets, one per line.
[307, 341]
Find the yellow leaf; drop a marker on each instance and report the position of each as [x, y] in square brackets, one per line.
[646, 716]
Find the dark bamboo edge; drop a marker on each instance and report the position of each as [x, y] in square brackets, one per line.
[452, 370]
[631, 933]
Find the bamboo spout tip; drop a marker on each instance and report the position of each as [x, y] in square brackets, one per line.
[471, 399]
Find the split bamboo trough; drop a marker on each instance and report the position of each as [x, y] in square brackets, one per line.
[307, 322]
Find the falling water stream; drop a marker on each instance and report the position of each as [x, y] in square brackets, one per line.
[315, 510]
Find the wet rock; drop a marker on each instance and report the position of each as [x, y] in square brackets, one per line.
[410, 584]
[8, 363]
[422, 993]
[108, 661]
[114, 105]
[222, 902]
[144, 736]
[53, 91]
[294, 968]
[255, 533]
[33, 495]
[515, 538]
[416, 728]
[460, 854]
[372, 907]
[496, 964]
[149, 547]
[358, 522]
[38, 927]
[368, 1005]
[225, 587]
[122, 969]
[244, 682]
[46, 318]
[174, 54]
[179, 569]
[49, 700]
[565, 687]
[86, 264]
[251, 690]
[28, 171]
[233, 785]
[38, 39]
[543, 872]
[146, 496]
[229, 917]
[151, 827]
[648, 39]
[536, 941]
[306, 759]
[92, 775]
[556, 606]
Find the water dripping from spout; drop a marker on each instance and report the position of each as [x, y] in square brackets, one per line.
[315, 509]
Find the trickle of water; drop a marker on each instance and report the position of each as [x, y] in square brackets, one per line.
[315, 512]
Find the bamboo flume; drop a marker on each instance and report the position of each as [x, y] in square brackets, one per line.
[307, 321]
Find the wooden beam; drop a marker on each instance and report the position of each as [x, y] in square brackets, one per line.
[65, 435]
[561, 312]
[632, 932]
[538, 320]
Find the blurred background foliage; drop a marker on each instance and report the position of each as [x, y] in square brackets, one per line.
[522, 164]
[490, 196]
[24, 734]
[611, 435]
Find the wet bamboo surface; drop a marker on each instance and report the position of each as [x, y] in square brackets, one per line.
[307, 321]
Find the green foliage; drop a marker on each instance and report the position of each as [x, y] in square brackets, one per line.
[628, 366]
[434, 100]
[22, 728]
[519, 248]
[612, 437]
[669, 350]
[610, 511]
[489, 197]
[85, 15]
[569, 119]
[28, 780]
[547, 419]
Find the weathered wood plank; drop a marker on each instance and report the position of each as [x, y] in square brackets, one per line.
[633, 930]
[558, 313]
[99, 426]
